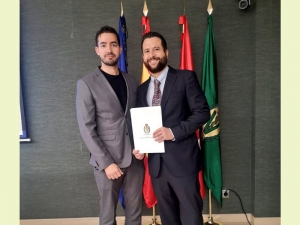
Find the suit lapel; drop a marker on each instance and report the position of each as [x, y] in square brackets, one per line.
[108, 88]
[144, 92]
[128, 92]
[170, 80]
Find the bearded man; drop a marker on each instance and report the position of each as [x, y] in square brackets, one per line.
[103, 102]
[174, 174]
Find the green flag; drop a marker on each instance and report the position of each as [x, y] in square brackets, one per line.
[211, 131]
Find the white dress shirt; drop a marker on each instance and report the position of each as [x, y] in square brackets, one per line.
[162, 79]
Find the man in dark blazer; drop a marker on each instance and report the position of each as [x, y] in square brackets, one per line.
[174, 174]
[103, 102]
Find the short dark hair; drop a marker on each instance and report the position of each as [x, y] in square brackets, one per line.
[154, 34]
[106, 29]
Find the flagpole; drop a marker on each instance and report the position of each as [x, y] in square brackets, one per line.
[144, 29]
[154, 222]
[210, 220]
[154, 217]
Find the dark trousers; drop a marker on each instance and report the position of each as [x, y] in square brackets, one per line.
[178, 198]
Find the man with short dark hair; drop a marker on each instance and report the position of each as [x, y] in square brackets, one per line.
[103, 102]
[174, 174]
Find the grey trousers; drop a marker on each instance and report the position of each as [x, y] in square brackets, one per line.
[132, 183]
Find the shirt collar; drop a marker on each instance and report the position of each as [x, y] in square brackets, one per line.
[161, 76]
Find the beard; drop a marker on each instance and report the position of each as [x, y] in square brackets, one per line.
[110, 62]
[159, 67]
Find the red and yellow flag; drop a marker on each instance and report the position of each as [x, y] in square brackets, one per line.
[148, 192]
[146, 29]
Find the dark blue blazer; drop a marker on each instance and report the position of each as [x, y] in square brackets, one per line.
[184, 110]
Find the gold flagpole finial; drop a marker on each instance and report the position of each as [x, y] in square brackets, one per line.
[145, 10]
[209, 7]
[121, 9]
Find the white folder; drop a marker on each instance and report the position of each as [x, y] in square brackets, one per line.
[145, 121]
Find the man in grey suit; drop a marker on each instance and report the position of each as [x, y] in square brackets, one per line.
[103, 102]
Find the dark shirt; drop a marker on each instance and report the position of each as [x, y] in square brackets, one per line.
[118, 84]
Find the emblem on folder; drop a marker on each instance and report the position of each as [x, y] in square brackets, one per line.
[146, 129]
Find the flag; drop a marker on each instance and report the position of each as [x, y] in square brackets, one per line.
[121, 198]
[122, 63]
[186, 56]
[186, 63]
[148, 192]
[146, 29]
[211, 143]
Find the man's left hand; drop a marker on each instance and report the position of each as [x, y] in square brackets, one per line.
[163, 134]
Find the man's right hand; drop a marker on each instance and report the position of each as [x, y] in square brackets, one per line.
[137, 154]
[113, 171]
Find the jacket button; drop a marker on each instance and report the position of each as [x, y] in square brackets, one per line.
[126, 133]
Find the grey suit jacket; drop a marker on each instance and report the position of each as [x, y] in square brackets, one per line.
[104, 126]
